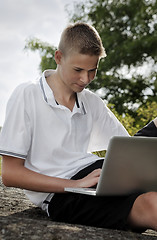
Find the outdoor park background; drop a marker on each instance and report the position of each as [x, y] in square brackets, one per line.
[126, 78]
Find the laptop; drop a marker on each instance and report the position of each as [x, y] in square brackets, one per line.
[130, 165]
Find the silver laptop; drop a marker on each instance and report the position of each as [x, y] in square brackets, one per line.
[130, 165]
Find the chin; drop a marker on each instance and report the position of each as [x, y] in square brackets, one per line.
[78, 91]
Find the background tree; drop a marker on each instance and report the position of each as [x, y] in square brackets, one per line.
[46, 52]
[128, 76]
[128, 31]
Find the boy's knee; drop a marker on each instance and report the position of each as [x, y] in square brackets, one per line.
[149, 200]
[146, 202]
[144, 210]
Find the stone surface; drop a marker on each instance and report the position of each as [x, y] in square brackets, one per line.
[20, 220]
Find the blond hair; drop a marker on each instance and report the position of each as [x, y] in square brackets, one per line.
[81, 38]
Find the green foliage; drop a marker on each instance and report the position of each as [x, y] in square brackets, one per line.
[128, 31]
[100, 154]
[145, 114]
[46, 52]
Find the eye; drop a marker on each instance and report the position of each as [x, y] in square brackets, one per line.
[92, 70]
[78, 70]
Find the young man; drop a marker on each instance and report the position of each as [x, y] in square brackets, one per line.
[50, 130]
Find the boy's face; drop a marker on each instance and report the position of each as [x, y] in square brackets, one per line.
[76, 71]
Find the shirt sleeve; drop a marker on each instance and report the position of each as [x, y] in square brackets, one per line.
[15, 136]
[150, 130]
[105, 126]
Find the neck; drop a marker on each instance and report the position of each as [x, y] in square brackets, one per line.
[62, 94]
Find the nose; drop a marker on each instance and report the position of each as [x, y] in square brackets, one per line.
[85, 77]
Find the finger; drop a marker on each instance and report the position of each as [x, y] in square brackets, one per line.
[97, 172]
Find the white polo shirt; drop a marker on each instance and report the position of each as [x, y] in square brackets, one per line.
[53, 140]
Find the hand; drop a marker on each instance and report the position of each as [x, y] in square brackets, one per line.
[90, 180]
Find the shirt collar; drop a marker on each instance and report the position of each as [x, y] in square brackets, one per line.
[49, 96]
[46, 90]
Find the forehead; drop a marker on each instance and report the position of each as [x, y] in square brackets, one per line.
[82, 61]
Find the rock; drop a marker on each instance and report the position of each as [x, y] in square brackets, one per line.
[21, 220]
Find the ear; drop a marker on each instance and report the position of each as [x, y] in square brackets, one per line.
[58, 56]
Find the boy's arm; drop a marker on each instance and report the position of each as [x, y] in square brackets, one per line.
[150, 130]
[15, 174]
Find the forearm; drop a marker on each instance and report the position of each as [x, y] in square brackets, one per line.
[16, 175]
[27, 179]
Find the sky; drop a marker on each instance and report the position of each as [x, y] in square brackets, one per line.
[19, 21]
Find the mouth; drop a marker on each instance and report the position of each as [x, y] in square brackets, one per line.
[81, 86]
